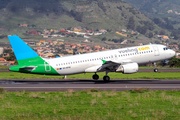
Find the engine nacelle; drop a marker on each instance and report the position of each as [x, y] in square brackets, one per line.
[128, 68]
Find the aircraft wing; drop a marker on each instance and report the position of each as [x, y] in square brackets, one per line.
[113, 64]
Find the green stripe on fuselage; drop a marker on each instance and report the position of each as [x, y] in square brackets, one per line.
[41, 66]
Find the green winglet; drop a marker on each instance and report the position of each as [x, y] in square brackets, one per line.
[104, 61]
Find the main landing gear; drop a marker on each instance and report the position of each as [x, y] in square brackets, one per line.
[155, 69]
[106, 78]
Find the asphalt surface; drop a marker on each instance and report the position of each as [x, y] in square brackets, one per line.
[63, 85]
[140, 70]
[4, 70]
[79, 84]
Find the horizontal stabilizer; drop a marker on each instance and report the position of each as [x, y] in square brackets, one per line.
[30, 68]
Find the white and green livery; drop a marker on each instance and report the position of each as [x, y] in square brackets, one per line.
[125, 60]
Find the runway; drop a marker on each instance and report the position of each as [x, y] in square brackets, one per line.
[76, 84]
[140, 70]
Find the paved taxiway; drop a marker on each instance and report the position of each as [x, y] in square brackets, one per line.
[60, 85]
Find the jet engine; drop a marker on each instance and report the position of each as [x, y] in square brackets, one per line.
[128, 68]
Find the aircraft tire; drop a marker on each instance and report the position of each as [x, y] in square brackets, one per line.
[155, 70]
[95, 77]
[106, 78]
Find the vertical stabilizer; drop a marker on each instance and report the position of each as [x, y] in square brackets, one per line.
[21, 50]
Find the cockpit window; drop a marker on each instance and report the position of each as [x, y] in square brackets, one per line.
[165, 48]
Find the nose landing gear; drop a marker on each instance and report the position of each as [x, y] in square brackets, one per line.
[155, 69]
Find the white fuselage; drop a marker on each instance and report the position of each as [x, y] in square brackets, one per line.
[81, 63]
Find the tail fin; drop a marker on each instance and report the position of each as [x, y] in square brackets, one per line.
[21, 50]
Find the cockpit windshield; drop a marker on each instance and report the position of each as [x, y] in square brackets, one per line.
[165, 48]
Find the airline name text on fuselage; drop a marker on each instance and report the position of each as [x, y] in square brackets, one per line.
[134, 50]
[128, 50]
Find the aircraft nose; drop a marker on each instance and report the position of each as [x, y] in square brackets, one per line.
[173, 53]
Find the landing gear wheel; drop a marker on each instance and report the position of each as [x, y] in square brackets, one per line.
[95, 77]
[106, 78]
[155, 70]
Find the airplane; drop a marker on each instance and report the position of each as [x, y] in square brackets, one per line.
[124, 60]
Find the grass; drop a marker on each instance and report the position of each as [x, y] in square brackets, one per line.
[144, 67]
[4, 67]
[88, 105]
[139, 75]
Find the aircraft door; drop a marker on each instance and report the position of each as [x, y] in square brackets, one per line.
[156, 51]
[47, 67]
[115, 56]
[112, 57]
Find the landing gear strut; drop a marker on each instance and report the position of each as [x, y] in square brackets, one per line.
[106, 78]
[155, 69]
[95, 76]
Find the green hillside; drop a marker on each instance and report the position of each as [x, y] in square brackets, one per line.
[58, 14]
[166, 9]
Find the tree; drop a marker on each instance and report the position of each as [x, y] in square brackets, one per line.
[131, 23]
[175, 34]
[157, 21]
[120, 8]
[162, 32]
[64, 52]
[150, 35]
[174, 62]
[156, 32]
[7, 51]
[101, 5]
[77, 15]
[11, 57]
[141, 30]
[104, 39]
